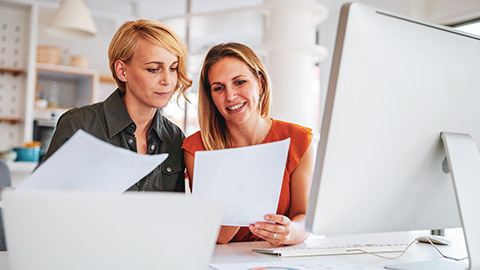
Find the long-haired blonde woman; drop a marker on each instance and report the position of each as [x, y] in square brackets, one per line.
[234, 103]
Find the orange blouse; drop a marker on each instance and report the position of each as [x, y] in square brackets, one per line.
[300, 137]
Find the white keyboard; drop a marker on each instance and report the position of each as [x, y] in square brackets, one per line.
[295, 251]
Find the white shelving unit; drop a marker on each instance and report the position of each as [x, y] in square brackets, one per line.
[76, 87]
[21, 76]
[17, 66]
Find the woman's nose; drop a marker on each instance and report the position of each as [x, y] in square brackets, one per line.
[230, 93]
[165, 78]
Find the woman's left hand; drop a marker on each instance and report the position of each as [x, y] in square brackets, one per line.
[276, 233]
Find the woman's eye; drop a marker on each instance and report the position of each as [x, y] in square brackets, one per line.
[217, 88]
[173, 69]
[152, 70]
[240, 82]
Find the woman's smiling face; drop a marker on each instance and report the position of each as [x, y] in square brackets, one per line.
[235, 90]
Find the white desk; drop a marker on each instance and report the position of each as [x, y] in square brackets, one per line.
[241, 252]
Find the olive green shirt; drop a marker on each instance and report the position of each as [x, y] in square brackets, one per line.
[110, 122]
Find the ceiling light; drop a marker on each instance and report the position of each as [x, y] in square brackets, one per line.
[72, 19]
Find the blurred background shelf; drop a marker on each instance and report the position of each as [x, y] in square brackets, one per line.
[106, 79]
[14, 71]
[11, 120]
[74, 86]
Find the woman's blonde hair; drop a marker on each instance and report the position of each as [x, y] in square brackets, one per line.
[126, 40]
[212, 124]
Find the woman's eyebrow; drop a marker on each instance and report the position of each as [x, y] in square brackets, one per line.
[238, 76]
[160, 63]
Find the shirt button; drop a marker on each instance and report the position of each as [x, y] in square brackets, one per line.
[152, 147]
[130, 141]
[169, 170]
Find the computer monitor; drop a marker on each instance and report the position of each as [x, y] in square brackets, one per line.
[396, 84]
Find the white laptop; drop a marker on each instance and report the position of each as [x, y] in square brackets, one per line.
[66, 230]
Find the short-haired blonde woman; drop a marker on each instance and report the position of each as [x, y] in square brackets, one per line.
[148, 63]
[234, 103]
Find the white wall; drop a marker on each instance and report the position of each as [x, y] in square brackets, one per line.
[95, 48]
[433, 11]
[446, 11]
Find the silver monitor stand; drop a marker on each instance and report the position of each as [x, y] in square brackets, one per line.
[464, 167]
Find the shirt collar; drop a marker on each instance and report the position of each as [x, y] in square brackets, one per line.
[157, 125]
[118, 119]
[116, 115]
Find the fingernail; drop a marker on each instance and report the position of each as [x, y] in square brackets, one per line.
[257, 225]
[267, 217]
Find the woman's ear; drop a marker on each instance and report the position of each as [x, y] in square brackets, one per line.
[120, 70]
[262, 84]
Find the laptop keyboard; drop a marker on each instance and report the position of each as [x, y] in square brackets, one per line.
[293, 251]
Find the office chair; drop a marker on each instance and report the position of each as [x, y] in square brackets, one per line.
[5, 181]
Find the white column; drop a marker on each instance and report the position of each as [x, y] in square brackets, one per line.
[289, 40]
[31, 74]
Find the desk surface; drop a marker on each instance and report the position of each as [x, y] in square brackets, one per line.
[242, 252]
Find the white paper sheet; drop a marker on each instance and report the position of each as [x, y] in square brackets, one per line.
[85, 163]
[248, 178]
[291, 265]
